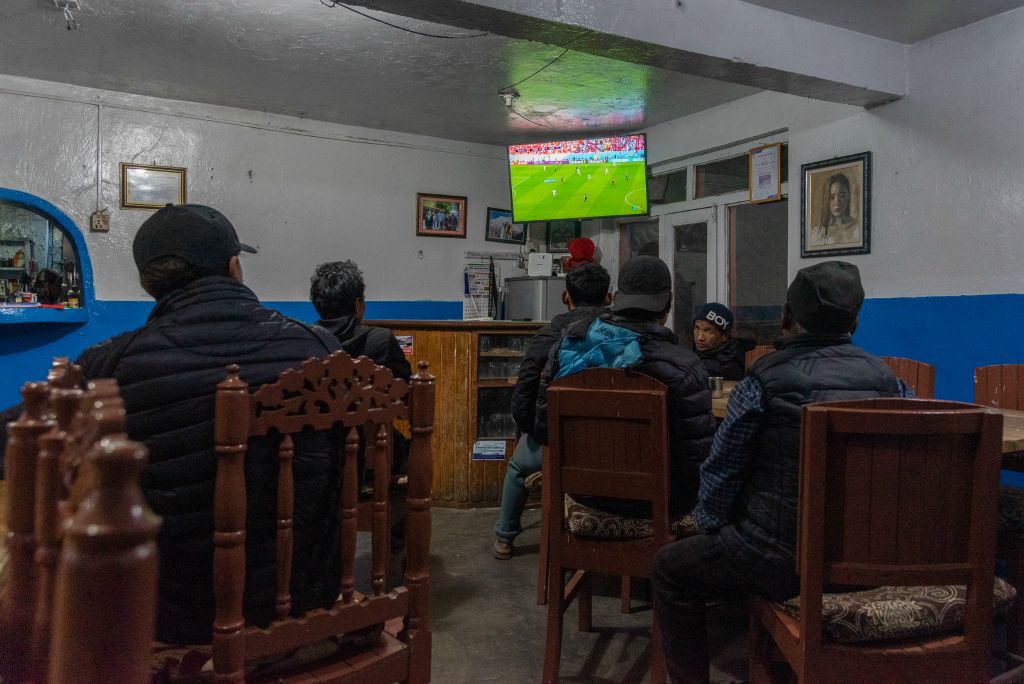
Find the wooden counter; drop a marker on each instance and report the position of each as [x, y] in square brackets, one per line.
[453, 350]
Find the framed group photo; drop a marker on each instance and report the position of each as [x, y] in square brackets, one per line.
[835, 206]
[500, 227]
[440, 215]
[151, 187]
[560, 232]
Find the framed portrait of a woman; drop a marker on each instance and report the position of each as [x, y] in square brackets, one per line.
[835, 202]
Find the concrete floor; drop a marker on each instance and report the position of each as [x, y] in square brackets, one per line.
[488, 627]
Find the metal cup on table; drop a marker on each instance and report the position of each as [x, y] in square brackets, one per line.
[717, 385]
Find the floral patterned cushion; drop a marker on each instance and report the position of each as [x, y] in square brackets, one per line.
[1011, 509]
[592, 523]
[898, 612]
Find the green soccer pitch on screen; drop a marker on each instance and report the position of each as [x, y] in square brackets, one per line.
[578, 179]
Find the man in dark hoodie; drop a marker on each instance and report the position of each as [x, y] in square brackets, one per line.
[339, 295]
[634, 336]
[721, 353]
[586, 296]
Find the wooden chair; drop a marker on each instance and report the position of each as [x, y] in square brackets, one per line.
[1002, 387]
[363, 399]
[607, 437]
[892, 492]
[756, 353]
[919, 376]
[68, 556]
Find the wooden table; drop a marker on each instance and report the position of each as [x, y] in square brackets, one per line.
[1013, 430]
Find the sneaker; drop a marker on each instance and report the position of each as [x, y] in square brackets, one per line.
[533, 481]
[501, 549]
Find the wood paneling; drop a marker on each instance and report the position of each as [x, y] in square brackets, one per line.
[919, 376]
[1000, 386]
[450, 347]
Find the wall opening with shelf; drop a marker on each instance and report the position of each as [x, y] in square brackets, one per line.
[42, 261]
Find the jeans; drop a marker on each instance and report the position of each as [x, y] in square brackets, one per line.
[687, 573]
[525, 461]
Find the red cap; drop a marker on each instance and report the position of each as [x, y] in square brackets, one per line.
[581, 249]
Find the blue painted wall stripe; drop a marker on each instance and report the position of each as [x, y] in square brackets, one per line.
[954, 334]
[26, 349]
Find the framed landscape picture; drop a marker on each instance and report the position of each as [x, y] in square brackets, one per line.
[440, 215]
[835, 206]
[501, 229]
[560, 232]
[151, 187]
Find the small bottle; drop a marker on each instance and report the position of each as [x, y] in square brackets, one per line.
[74, 297]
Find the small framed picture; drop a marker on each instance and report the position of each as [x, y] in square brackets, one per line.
[440, 215]
[560, 232]
[835, 206]
[151, 187]
[501, 229]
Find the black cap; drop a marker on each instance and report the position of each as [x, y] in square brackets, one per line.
[200, 235]
[718, 315]
[644, 283]
[826, 297]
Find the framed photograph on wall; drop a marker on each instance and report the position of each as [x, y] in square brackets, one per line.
[835, 206]
[501, 229]
[560, 232]
[151, 187]
[440, 215]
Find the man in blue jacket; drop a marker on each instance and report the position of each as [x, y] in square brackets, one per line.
[204, 319]
[634, 336]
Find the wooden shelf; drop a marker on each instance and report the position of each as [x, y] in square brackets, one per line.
[496, 382]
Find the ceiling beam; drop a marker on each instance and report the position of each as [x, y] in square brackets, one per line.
[727, 40]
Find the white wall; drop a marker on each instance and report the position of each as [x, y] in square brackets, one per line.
[948, 202]
[304, 192]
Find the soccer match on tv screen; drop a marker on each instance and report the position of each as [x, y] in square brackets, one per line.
[574, 179]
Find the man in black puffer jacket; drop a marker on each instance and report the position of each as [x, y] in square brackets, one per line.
[748, 485]
[634, 336]
[205, 319]
[586, 295]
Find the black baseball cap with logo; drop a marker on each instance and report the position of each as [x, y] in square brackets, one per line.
[200, 235]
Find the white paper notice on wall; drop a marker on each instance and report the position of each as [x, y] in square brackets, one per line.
[476, 294]
[766, 173]
[489, 450]
[539, 264]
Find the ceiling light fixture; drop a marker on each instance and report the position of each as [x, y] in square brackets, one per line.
[508, 95]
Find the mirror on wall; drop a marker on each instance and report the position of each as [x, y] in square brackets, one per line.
[38, 262]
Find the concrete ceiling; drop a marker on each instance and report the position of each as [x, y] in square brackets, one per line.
[302, 58]
[904, 21]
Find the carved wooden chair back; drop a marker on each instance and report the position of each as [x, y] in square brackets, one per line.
[363, 400]
[896, 492]
[1000, 386]
[51, 454]
[607, 436]
[918, 375]
[756, 353]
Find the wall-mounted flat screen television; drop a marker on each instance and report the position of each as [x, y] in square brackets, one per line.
[579, 179]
